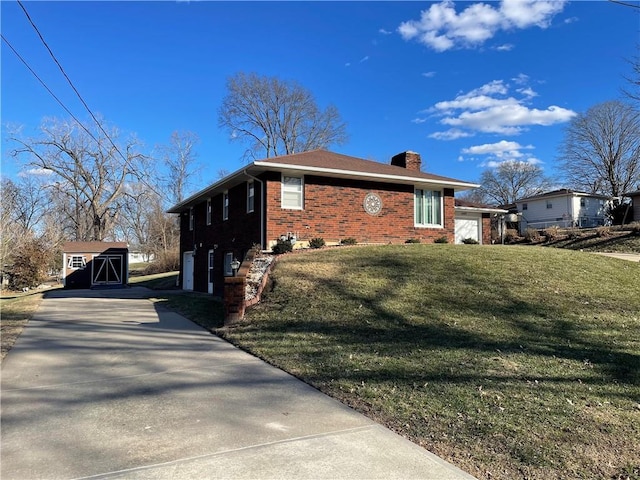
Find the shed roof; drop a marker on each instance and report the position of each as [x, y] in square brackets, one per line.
[92, 247]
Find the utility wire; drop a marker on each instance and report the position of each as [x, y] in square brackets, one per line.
[47, 88]
[126, 161]
[69, 80]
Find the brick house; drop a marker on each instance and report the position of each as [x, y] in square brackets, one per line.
[307, 195]
[478, 222]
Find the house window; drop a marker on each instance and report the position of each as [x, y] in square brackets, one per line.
[191, 219]
[228, 258]
[524, 206]
[208, 211]
[292, 192]
[428, 208]
[583, 202]
[250, 196]
[77, 261]
[225, 206]
[549, 204]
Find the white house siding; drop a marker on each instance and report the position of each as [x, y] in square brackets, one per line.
[565, 212]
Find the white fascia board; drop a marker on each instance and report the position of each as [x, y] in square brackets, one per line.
[365, 175]
[481, 210]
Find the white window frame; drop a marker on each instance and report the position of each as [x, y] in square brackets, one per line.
[228, 258]
[298, 190]
[192, 219]
[77, 262]
[525, 206]
[440, 213]
[225, 205]
[208, 211]
[583, 202]
[549, 204]
[251, 196]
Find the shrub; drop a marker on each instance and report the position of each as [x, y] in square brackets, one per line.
[348, 241]
[574, 233]
[317, 242]
[412, 240]
[603, 232]
[441, 239]
[551, 233]
[168, 261]
[283, 246]
[532, 235]
[635, 228]
[470, 241]
[511, 235]
[29, 267]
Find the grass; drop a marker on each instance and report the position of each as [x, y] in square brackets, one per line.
[590, 241]
[511, 362]
[16, 311]
[159, 281]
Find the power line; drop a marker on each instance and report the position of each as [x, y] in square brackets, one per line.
[69, 80]
[47, 88]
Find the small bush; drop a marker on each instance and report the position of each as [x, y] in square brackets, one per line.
[441, 239]
[552, 233]
[635, 228]
[412, 240]
[283, 246]
[348, 241]
[470, 241]
[168, 261]
[532, 235]
[511, 235]
[574, 233]
[317, 242]
[603, 232]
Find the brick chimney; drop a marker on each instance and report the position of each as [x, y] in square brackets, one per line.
[408, 160]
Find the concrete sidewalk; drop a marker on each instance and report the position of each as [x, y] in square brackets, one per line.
[103, 384]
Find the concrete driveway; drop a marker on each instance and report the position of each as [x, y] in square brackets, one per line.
[103, 384]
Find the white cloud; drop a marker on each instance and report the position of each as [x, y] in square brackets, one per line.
[451, 134]
[493, 154]
[40, 172]
[429, 74]
[490, 109]
[418, 120]
[384, 32]
[364, 59]
[442, 28]
[507, 47]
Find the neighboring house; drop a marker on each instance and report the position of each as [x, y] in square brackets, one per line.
[635, 206]
[139, 257]
[91, 264]
[474, 220]
[563, 208]
[308, 195]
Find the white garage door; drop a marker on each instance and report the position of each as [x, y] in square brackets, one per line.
[468, 227]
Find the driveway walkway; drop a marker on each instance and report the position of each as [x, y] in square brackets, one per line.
[103, 384]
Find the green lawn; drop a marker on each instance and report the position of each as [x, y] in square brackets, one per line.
[510, 362]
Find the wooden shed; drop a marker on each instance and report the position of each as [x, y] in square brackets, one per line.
[93, 264]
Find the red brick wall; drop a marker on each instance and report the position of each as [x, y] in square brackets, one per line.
[486, 229]
[333, 210]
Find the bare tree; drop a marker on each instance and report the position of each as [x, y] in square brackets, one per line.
[632, 92]
[277, 117]
[601, 149]
[512, 180]
[89, 172]
[180, 159]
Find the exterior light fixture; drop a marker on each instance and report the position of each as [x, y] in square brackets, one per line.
[235, 265]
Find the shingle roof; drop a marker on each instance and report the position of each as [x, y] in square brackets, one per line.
[91, 247]
[561, 193]
[324, 159]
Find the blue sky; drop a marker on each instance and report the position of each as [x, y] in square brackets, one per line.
[465, 84]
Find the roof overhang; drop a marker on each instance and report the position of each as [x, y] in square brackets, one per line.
[481, 210]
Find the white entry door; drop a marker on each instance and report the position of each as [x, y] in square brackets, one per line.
[187, 271]
[210, 289]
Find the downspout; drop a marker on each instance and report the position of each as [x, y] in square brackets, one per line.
[262, 207]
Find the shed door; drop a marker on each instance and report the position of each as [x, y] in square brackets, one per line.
[107, 270]
[467, 227]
